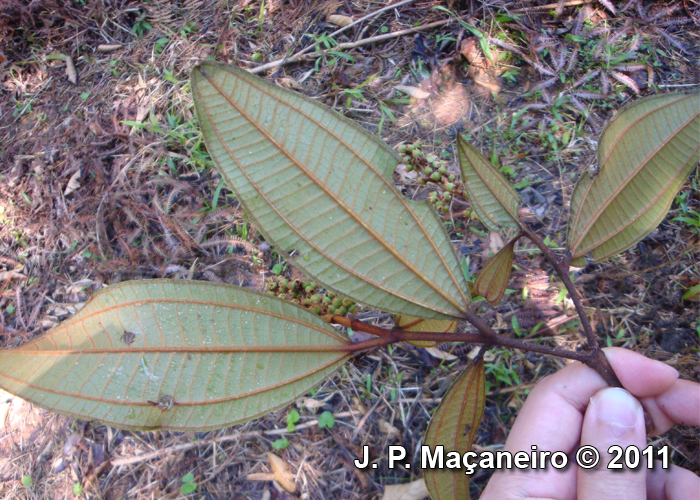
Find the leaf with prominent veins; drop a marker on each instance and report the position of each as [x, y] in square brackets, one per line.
[645, 154]
[453, 426]
[175, 354]
[493, 199]
[318, 183]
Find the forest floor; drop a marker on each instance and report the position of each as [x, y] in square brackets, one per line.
[105, 179]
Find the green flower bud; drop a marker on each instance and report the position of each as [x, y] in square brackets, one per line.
[442, 170]
[347, 302]
[417, 153]
[439, 205]
[316, 310]
[447, 197]
[409, 167]
[327, 300]
[352, 309]
[401, 148]
[337, 302]
[306, 302]
[449, 186]
[342, 310]
[427, 170]
[435, 176]
[423, 180]
[451, 178]
[308, 289]
[431, 158]
[409, 148]
[406, 159]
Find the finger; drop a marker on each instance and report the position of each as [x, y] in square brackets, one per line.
[641, 376]
[674, 483]
[552, 416]
[678, 405]
[681, 403]
[613, 417]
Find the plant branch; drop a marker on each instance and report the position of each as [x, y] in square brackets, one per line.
[386, 337]
[597, 359]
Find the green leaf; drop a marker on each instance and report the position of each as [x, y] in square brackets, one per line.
[27, 481]
[645, 155]
[326, 419]
[693, 294]
[413, 324]
[454, 426]
[320, 188]
[292, 418]
[493, 278]
[188, 488]
[280, 444]
[187, 477]
[78, 488]
[491, 196]
[175, 354]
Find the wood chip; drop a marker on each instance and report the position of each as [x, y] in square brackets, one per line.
[414, 92]
[411, 491]
[281, 473]
[70, 71]
[108, 47]
[339, 20]
[73, 183]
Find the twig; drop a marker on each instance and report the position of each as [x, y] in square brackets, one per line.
[301, 55]
[297, 56]
[392, 336]
[597, 359]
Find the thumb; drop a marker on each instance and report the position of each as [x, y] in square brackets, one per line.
[613, 417]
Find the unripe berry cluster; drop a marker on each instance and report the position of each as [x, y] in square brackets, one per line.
[430, 170]
[308, 295]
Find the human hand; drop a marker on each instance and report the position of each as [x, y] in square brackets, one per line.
[574, 407]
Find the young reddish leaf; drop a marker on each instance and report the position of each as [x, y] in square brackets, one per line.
[413, 324]
[645, 155]
[493, 278]
[491, 196]
[454, 426]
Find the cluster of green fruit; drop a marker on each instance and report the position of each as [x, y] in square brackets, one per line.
[431, 170]
[308, 295]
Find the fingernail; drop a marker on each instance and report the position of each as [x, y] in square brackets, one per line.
[617, 408]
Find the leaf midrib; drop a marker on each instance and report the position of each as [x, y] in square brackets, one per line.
[342, 204]
[599, 212]
[226, 399]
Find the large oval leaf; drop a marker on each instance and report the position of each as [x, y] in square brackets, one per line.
[453, 427]
[181, 355]
[319, 187]
[645, 155]
[491, 196]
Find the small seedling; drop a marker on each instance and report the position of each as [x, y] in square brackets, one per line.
[292, 419]
[188, 484]
[280, 444]
[326, 419]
